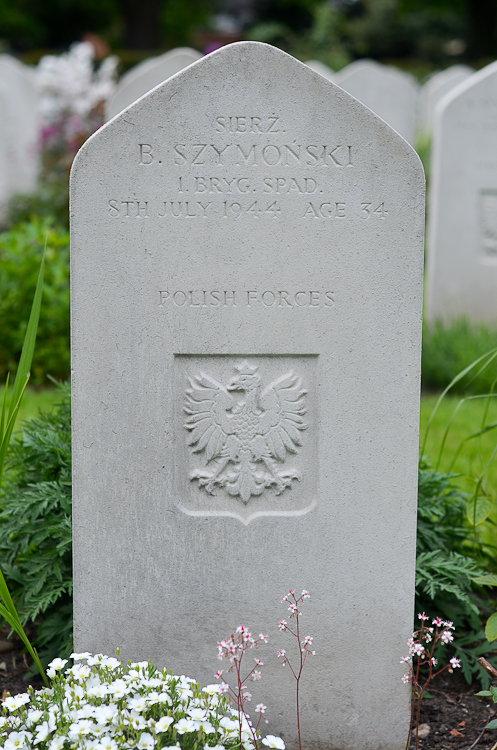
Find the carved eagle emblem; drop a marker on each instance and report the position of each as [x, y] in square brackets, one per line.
[245, 431]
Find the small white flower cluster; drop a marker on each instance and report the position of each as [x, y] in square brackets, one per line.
[439, 633]
[71, 93]
[101, 704]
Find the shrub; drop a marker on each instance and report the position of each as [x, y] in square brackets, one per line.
[446, 566]
[21, 249]
[35, 527]
[449, 349]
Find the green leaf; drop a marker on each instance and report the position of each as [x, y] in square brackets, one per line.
[490, 579]
[492, 724]
[478, 509]
[491, 628]
[24, 366]
[485, 693]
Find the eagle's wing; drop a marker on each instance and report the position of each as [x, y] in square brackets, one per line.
[283, 402]
[206, 402]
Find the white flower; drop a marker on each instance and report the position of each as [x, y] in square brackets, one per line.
[136, 721]
[42, 732]
[163, 724]
[272, 741]
[58, 742]
[51, 673]
[98, 691]
[58, 664]
[230, 725]
[80, 728]
[85, 712]
[205, 726]
[185, 725]
[261, 708]
[107, 743]
[81, 657]
[446, 636]
[137, 704]
[211, 689]
[110, 661]
[455, 662]
[12, 703]
[79, 672]
[406, 678]
[118, 689]
[17, 740]
[105, 714]
[33, 716]
[145, 742]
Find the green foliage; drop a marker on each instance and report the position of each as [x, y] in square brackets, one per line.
[35, 527]
[49, 201]
[446, 568]
[21, 249]
[449, 349]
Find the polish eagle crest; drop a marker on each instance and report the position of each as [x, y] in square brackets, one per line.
[245, 431]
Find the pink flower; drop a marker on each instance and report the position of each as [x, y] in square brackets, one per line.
[434, 661]
[218, 674]
[307, 640]
[437, 621]
[423, 617]
[256, 675]
[263, 637]
[282, 624]
[260, 708]
[418, 649]
[405, 660]
[259, 662]
[305, 594]
[446, 637]
[292, 608]
[450, 625]
[281, 653]
[224, 687]
[406, 678]
[455, 662]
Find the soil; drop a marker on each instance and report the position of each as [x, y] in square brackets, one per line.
[453, 717]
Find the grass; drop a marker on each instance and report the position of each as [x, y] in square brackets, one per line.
[34, 399]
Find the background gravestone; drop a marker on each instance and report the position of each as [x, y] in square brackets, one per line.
[247, 249]
[436, 88]
[321, 68]
[146, 76]
[390, 93]
[462, 237]
[19, 81]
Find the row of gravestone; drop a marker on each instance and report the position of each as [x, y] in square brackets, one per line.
[19, 134]
[391, 93]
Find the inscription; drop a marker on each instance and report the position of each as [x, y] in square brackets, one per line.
[246, 298]
[246, 124]
[186, 206]
[254, 155]
[245, 431]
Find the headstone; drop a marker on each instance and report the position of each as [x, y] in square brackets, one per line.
[390, 93]
[247, 251]
[436, 88]
[321, 68]
[146, 76]
[462, 238]
[5, 146]
[19, 81]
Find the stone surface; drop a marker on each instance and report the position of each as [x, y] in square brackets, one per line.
[7, 159]
[390, 93]
[247, 249]
[19, 82]
[436, 88]
[147, 75]
[462, 232]
[321, 68]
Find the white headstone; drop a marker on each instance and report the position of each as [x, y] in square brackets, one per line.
[5, 145]
[436, 88]
[147, 76]
[462, 238]
[19, 81]
[247, 249]
[321, 68]
[390, 93]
